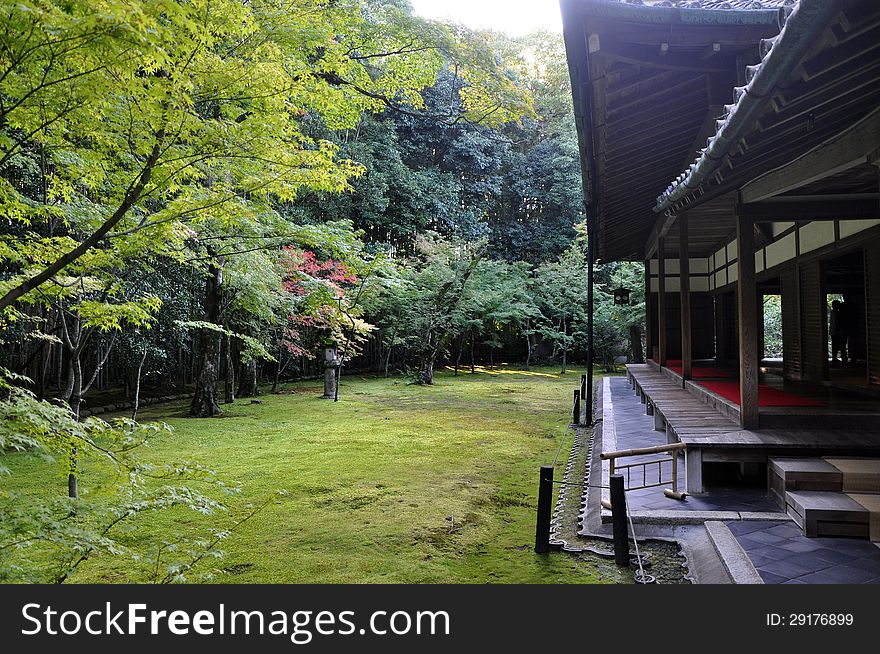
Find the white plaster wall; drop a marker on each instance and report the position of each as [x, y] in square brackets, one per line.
[700, 284]
[778, 228]
[816, 234]
[699, 265]
[782, 250]
[850, 227]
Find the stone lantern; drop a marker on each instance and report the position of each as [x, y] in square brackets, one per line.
[331, 365]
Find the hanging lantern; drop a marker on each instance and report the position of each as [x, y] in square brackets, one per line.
[621, 296]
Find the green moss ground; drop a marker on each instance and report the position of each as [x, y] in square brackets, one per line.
[393, 484]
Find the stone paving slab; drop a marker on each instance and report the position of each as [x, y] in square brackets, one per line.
[783, 555]
[774, 545]
[740, 568]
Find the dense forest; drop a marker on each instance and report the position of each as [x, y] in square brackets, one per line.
[207, 209]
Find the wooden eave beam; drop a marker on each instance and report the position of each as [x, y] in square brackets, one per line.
[650, 57]
[647, 97]
[808, 208]
[848, 149]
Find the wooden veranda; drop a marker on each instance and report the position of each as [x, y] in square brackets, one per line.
[712, 437]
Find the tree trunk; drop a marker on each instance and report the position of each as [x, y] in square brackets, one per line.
[247, 387]
[137, 385]
[75, 402]
[390, 348]
[460, 349]
[59, 355]
[277, 373]
[388, 359]
[428, 373]
[204, 402]
[635, 343]
[229, 377]
[473, 366]
[528, 347]
[45, 359]
[564, 345]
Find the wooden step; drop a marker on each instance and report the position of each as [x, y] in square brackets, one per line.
[801, 474]
[871, 502]
[820, 513]
[860, 475]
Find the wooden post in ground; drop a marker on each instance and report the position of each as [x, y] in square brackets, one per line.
[649, 338]
[618, 521]
[576, 408]
[661, 302]
[685, 277]
[747, 300]
[545, 500]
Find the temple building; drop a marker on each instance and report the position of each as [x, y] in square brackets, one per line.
[734, 148]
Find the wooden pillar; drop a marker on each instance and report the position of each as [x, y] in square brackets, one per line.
[747, 301]
[661, 301]
[792, 358]
[872, 311]
[813, 317]
[591, 277]
[685, 277]
[649, 340]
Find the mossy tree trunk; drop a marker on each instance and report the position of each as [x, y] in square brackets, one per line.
[204, 402]
[247, 387]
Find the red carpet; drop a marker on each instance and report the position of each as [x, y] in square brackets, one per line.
[767, 396]
[699, 372]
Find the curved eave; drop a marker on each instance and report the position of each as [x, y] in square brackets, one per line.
[683, 14]
[624, 219]
[780, 57]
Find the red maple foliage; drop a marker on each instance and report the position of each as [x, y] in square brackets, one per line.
[302, 269]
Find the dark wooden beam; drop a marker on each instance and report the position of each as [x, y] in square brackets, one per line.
[619, 85]
[647, 56]
[685, 290]
[661, 302]
[842, 151]
[648, 97]
[710, 51]
[747, 300]
[807, 208]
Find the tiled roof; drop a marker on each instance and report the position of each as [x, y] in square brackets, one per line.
[803, 24]
[712, 4]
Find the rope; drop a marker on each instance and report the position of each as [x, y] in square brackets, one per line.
[564, 435]
[636, 543]
[561, 443]
[585, 485]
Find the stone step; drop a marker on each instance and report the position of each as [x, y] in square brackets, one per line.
[821, 513]
[860, 475]
[832, 474]
[801, 474]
